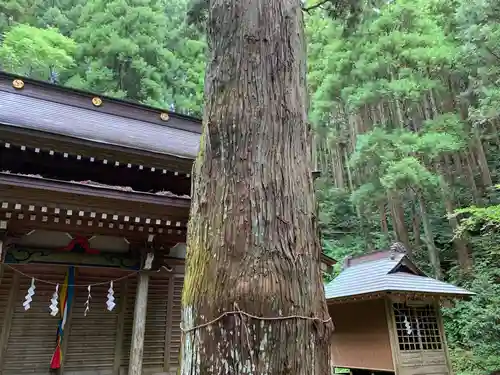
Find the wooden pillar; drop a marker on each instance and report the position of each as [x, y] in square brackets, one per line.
[139, 326]
[120, 327]
[443, 337]
[393, 335]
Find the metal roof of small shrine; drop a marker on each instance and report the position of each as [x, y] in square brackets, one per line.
[40, 106]
[387, 272]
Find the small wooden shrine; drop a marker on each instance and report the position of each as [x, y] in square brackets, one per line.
[387, 316]
[94, 206]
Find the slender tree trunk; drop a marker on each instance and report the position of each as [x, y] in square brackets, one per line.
[338, 167]
[470, 176]
[253, 246]
[481, 158]
[383, 219]
[460, 244]
[398, 217]
[314, 151]
[429, 239]
[416, 222]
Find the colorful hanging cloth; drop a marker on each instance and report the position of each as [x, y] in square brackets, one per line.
[65, 298]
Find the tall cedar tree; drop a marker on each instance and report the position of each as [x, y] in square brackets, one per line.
[253, 244]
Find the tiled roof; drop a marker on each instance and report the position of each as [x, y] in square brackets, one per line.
[32, 113]
[386, 275]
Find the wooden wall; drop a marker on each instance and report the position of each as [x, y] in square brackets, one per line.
[423, 363]
[162, 337]
[28, 337]
[98, 343]
[361, 338]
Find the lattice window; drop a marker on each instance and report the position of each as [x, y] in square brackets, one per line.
[417, 327]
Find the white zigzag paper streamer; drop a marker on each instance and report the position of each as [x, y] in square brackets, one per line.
[87, 302]
[111, 299]
[54, 309]
[28, 298]
[418, 326]
[407, 324]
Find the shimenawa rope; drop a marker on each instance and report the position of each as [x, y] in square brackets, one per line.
[239, 312]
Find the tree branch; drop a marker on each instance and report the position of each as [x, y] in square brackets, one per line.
[323, 2]
[197, 10]
[492, 53]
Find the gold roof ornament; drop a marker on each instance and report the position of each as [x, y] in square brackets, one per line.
[96, 101]
[18, 84]
[164, 116]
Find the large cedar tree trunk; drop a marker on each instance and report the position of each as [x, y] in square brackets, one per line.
[252, 241]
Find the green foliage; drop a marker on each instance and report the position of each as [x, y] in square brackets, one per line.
[339, 224]
[472, 326]
[13, 12]
[479, 33]
[395, 157]
[28, 50]
[61, 14]
[388, 57]
[485, 219]
[138, 50]
[488, 217]
[121, 51]
[402, 104]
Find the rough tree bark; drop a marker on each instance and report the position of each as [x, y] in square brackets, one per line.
[429, 240]
[252, 241]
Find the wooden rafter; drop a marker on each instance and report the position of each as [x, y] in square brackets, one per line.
[98, 158]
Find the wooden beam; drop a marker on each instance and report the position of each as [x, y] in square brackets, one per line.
[139, 326]
[58, 186]
[21, 227]
[120, 329]
[86, 149]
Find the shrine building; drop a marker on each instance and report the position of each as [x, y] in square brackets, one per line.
[387, 316]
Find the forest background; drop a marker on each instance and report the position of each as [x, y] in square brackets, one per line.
[405, 104]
